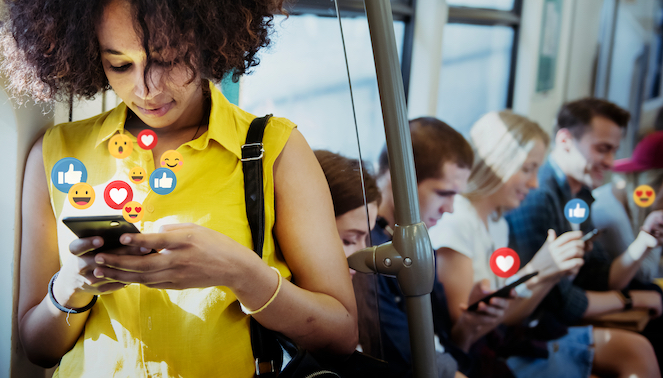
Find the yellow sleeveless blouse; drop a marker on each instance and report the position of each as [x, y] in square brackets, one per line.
[142, 332]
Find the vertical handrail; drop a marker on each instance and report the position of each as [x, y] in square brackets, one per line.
[417, 272]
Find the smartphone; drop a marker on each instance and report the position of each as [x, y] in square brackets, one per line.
[591, 235]
[109, 227]
[503, 292]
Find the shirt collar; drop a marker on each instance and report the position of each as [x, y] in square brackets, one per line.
[585, 192]
[111, 124]
[221, 125]
[221, 116]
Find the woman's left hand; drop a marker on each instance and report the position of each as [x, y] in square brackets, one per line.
[191, 256]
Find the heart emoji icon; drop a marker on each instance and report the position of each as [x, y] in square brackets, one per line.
[147, 139]
[504, 262]
[117, 194]
[638, 193]
[649, 193]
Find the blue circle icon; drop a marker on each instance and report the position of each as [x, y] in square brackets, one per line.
[163, 181]
[67, 172]
[576, 211]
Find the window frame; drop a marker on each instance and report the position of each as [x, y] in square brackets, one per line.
[494, 17]
[402, 10]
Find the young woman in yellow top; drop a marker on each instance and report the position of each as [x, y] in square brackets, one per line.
[175, 313]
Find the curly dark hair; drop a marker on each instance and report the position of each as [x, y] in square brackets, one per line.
[344, 181]
[51, 50]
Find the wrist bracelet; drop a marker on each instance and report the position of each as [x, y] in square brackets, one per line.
[278, 287]
[65, 309]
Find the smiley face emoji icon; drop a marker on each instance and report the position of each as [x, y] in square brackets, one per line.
[120, 146]
[81, 195]
[137, 175]
[133, 212]
[644, 196]
[172, 160]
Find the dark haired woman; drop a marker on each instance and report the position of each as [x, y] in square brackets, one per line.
[347, 191]
[177, 312]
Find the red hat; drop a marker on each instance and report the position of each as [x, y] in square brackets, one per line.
[648, 154]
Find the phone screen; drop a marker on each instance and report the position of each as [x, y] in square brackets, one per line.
[503, 292]
[109, 227]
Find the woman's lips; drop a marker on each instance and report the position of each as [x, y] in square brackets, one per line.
[157, 111]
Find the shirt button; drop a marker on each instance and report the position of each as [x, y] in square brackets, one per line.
[149, 323]
[150, 208]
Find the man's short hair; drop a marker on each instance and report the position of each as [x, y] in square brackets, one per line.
[433, 144]
[576, 116]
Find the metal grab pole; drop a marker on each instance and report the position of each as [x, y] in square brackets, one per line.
[416, 268]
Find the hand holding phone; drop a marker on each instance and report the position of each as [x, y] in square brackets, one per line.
[501, 293]
[109, 227]
[591, 235]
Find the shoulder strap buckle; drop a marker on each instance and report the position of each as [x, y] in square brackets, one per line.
[252, 151]
[265, 367]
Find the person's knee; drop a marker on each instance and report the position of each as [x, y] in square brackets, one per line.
[636, 350]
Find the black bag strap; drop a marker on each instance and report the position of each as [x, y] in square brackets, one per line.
[266, 350]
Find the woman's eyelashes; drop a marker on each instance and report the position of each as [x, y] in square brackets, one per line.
[121, 68]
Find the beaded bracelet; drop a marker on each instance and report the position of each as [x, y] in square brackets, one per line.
[278, 287]
[65, 309]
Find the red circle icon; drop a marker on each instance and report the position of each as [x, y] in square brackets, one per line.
[147, 139]
[504, 262]
[117, 193]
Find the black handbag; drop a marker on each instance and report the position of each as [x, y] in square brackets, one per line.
[269, 346]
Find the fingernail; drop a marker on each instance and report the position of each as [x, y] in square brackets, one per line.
[126, 239]
[96, 242]
[99, 260]
[98, 273]
[144, 250]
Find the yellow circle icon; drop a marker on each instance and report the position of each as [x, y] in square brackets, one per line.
[137, 175]
[172, 160]
[81, 195]
[120, 146]
[644, 196]
[133, 212]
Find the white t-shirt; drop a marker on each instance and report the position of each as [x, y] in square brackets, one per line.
[464, 232]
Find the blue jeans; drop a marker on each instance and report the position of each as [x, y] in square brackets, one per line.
[570, 356]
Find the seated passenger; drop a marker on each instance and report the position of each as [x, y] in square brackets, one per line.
[353, 225]
[175, 313]
[615, 210]
[588, 133]
[508, 150]
[442, 159]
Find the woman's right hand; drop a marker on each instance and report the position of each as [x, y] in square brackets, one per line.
[559, 256]
[472, 325]
[76, 284]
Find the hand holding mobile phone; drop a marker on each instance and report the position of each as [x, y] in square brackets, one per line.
[501, 293]
[109, 227]
[591, 235]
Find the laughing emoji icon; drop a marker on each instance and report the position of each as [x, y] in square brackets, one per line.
[120, 146]
[81, 196]
[137, 175]
[132, 212]
[172, 160]
[644, 196]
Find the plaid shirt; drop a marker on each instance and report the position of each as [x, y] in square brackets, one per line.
[541, 210]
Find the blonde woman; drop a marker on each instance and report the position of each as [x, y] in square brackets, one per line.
[509, 149]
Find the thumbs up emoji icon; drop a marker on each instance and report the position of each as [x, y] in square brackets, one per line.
[68, 172]
[579, 212]
[576, 211]
[163, 181]
[72, 177]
